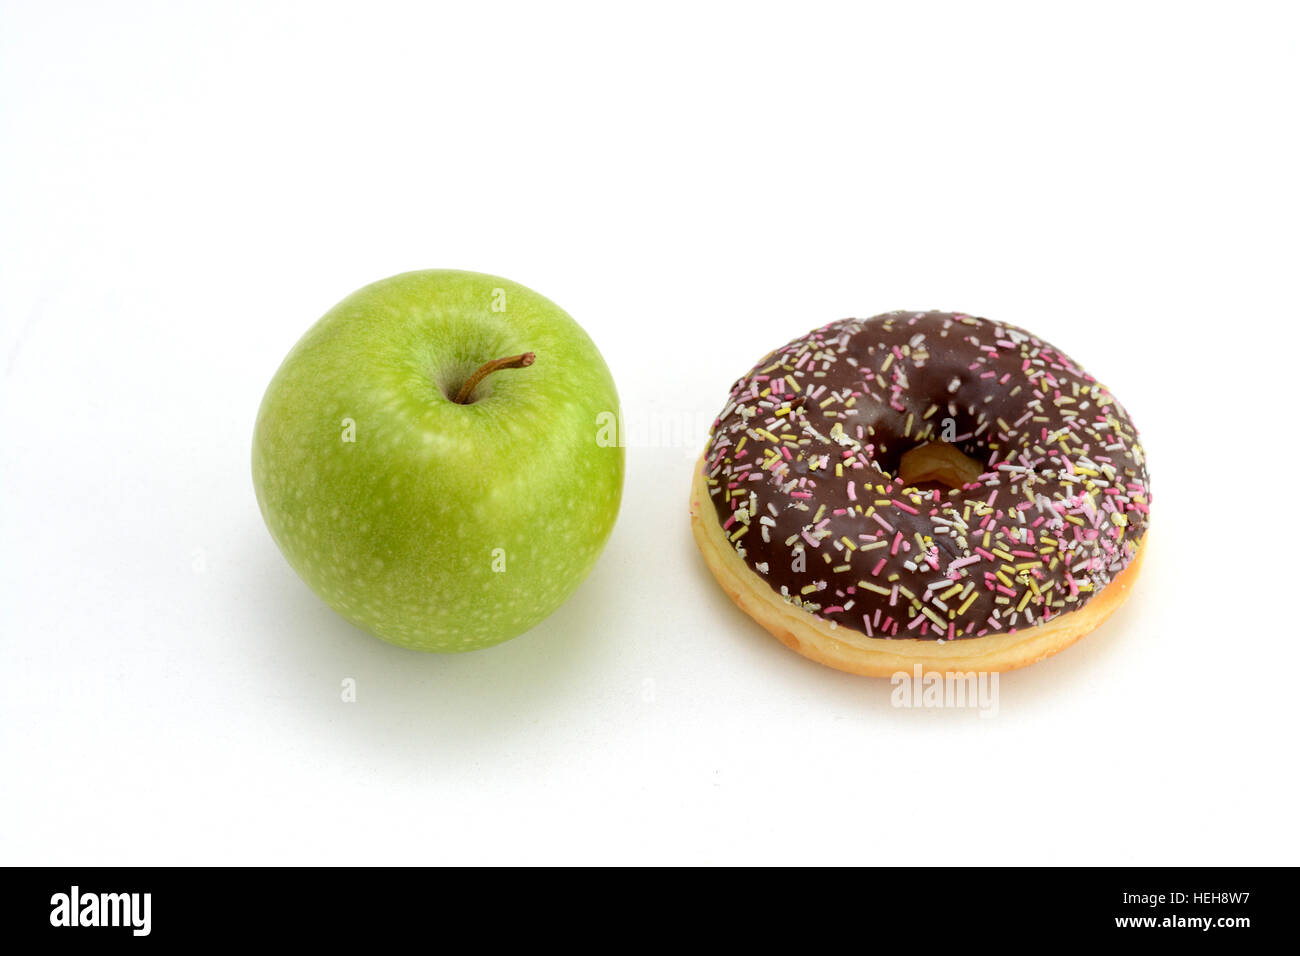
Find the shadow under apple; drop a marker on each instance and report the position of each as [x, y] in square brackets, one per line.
[415, 705]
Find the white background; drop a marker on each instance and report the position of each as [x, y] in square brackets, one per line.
[185, 188]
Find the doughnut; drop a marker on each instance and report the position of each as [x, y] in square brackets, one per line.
[923, 489]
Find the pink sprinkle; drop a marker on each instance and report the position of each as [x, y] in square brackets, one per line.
[898, 537]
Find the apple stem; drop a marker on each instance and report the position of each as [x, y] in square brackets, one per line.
[523, 360]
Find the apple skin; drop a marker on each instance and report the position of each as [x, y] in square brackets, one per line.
[438, 526]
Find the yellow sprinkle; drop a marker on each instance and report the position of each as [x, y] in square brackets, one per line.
[808, 589]
[955, 589]
[1023, 601]
[848, 544]
[873, 587]
[967, 603]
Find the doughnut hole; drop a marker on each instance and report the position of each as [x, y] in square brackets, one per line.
[938, 465]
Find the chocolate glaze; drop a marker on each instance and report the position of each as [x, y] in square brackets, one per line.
[801, 469]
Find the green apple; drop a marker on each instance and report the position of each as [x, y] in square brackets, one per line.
[431, 458]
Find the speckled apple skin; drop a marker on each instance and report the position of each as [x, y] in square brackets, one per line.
[398, 530]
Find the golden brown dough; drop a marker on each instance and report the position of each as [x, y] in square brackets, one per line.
[856, 653]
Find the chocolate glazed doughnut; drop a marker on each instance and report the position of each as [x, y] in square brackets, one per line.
[922, 488]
